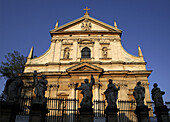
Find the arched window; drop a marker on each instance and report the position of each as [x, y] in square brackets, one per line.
[86, 53]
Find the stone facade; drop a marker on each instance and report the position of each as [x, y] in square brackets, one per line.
[83, 47]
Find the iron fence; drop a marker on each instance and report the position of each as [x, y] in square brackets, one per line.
[24, 103]
[62, 110]
[126, 111]
[66, 110]
[99, 107]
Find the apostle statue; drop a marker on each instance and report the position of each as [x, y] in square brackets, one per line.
[86, 88]
[111, 94]
[139, 94]
[12, 90]
[104, 52]
[157, 95]
[66, 53]
[40, 87]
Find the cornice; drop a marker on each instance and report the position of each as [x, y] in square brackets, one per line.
[85, 38]
[90, 62]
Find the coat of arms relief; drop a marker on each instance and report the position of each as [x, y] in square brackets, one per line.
[86, 25]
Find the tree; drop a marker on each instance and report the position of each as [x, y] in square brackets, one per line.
[14, 65]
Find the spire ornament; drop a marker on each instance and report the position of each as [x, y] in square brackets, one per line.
[140, 51]
[115, 25]
[56, 26]
[30, 56]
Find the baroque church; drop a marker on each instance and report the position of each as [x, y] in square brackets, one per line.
[85, 47]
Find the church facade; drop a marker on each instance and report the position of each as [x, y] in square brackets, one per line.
[85, 47]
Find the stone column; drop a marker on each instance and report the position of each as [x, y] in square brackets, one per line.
[72, 114]
[96, 50]
[8, 111]
[111, 114]
[162, 113]
[142, 113]
[72, 90]
[86, 114]
[75, 50]
[96, 91]
[38, 111]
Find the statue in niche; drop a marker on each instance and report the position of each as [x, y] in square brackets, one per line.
[66, 53]
[139, 94]
[111, 94]
[40, 87]
[86, 88]
[12, 90]
[104, 52]
[157, 95]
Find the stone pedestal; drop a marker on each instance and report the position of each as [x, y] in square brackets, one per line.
[38, 111]
[8, 111]
[86, 114]
[142, 113]
[111, 114]
[162, 114]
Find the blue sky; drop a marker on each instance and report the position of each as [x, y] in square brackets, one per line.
[26, 23]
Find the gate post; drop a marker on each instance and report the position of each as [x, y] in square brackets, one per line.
[38, 111]
[142, 113]
[162, 113]
[8, 111]
[86, 114]
[111, 114]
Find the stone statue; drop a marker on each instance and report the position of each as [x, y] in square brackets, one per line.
[40, 87]
[12, 90]
[86, 88]
[139, 94]
[66, 53]
[104, 53]
[111, 94]
[157, 95]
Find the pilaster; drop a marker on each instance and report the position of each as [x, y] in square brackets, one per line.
[57, 54]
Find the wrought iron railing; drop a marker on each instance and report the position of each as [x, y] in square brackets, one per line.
[66, 110]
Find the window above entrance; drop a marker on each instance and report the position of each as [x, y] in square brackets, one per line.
[86, 53]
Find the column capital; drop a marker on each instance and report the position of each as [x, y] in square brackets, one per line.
[97, 85]
[73, 85]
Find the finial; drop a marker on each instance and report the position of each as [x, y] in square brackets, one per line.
[86, 9]
[115, 25]
[56, 25]
[140, 51]
[30, 56]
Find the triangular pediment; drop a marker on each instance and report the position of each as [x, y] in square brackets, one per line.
[84, 67]
[86, 24]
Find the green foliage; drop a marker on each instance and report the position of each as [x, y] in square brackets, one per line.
[14, 65]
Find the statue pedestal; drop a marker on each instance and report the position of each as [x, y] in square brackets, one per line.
[111, 114]
[8, 111]
[142, 113]
[162, 113]
[86, 114]
[38, 111]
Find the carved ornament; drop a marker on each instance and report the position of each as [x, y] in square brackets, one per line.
[86, 25]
